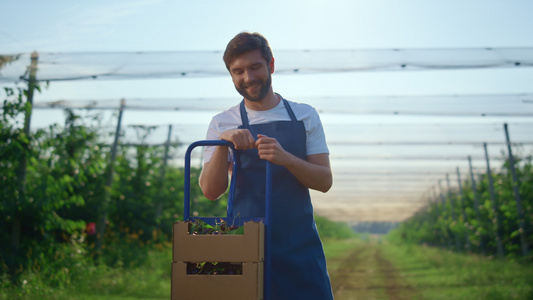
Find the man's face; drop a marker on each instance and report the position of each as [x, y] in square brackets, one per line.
[251, 75]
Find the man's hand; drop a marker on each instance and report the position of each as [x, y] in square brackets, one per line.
[313, 172]
[242, 139]
[214, 176]
[269, 149]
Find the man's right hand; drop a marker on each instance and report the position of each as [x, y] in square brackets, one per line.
[242, 139]
[214, 176]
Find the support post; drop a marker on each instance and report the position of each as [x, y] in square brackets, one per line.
[159, 208]
[100, 227]
[495, 208]
[16, 229]
[476, 205]
[443, 203]
[437, 214]
[463, 209]
[454, 217]
[516, 192]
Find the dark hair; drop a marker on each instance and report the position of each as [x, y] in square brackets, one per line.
[244, 42]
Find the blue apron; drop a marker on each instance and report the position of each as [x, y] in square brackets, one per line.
[298, 262]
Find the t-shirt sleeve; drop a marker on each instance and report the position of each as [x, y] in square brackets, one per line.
[213, 133]
[316, 139]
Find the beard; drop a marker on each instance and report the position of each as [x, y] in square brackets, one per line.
[263, 91]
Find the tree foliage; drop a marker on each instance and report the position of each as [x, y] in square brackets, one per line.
[57, 199]
[478, 233]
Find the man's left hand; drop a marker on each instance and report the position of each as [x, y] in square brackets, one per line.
[269, 149]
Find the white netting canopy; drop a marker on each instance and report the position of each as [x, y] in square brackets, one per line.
[511, 105]
[129, 65]
[386, 151]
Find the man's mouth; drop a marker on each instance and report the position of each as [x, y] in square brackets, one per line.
[253, 86]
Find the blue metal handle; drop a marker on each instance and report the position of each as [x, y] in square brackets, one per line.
[229, 213]
[268, 233]
[187, 181]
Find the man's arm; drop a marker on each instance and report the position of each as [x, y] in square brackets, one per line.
[313, 173]
[214, 176]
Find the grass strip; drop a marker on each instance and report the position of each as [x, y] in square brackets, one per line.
[441, 274]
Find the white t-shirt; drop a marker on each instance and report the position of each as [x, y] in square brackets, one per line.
[231, 119]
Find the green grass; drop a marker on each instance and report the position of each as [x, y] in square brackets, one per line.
[151, 280]
[432, 273]
[441, 274]
[148, 281]
[337, 249]
[425, 272]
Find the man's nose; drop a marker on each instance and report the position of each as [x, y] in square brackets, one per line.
[248, 76]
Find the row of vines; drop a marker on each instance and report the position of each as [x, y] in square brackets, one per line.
[53, 188]
[493, 227]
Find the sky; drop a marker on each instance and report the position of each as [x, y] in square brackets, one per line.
[164, 25]
[156, 25]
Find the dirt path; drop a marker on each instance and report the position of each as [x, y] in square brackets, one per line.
[366, 274]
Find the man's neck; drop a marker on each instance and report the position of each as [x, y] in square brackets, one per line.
[270, 101]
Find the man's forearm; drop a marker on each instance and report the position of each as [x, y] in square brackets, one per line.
[214, 176]
[313, 173]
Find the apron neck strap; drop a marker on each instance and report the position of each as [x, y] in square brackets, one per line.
[289, 110]
[244, 115]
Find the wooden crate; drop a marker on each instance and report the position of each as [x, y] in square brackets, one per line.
[247, 249]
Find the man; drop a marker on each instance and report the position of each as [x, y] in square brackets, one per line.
[266, 127]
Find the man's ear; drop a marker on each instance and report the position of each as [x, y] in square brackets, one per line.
[271, 65]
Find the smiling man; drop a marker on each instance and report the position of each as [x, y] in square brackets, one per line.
[267, 127]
